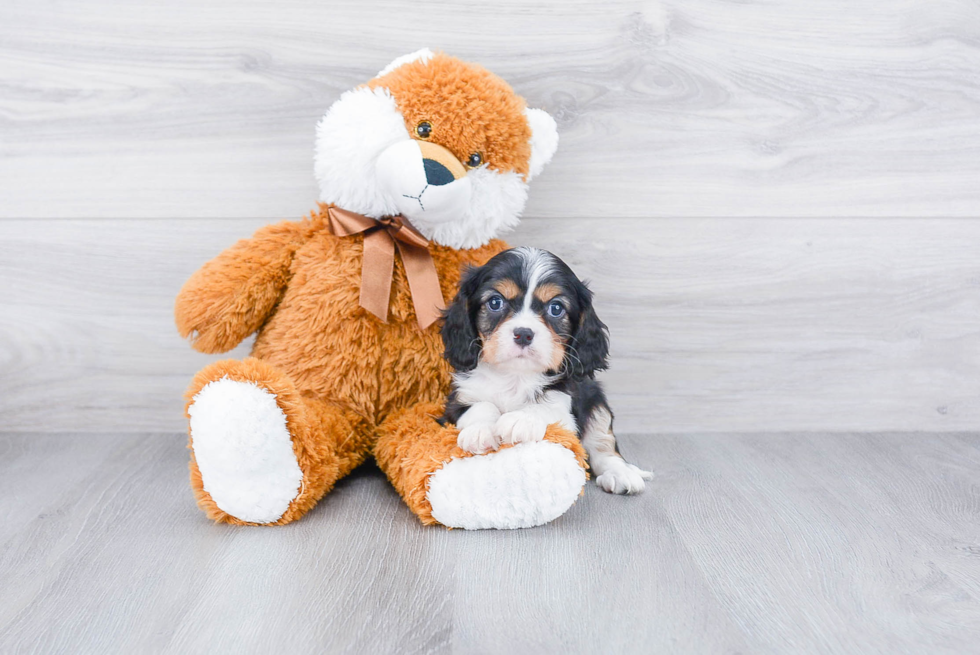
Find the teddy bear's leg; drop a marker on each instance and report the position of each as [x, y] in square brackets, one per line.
[517, 486]
[262, 452]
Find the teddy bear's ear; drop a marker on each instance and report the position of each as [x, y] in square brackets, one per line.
[422, 55]
[544, 139]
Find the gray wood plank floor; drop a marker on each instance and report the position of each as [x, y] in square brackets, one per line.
[844, 543]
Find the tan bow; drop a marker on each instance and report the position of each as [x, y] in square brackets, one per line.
[380, 237]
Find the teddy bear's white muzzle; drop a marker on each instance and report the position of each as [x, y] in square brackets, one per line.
[427, 189]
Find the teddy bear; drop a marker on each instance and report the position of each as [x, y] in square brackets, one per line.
[420, 170]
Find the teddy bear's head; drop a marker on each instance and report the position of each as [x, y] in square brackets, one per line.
[444, 143]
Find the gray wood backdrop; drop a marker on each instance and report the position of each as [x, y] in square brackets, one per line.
[776, 201]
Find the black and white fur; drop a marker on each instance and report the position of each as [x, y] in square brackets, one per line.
[525, 344]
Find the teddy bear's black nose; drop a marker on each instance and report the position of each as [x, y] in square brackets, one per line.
[436, 174]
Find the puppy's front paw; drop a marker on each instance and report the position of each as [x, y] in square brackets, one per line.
[477, 438]
[519, 427]
[623, 478]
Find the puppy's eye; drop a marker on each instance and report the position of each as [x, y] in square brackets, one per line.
[556, 309]
[424, 129]
[495, 304]
[475, 160]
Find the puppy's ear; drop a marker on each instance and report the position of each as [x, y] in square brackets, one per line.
[459, 334]
[591, 339]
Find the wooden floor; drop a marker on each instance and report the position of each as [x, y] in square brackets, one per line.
[845, 543]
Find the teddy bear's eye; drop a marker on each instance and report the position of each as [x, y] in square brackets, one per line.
[424, 129]
[475, 160]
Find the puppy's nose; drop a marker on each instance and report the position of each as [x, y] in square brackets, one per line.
[523, 337]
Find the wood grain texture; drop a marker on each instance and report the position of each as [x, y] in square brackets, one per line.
[717, 324]
[672, 108]
[117, 559]
[845, 543]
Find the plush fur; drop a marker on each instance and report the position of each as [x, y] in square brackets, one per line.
[243, 449]
[335, 380]
[343, 367]
[413, 447]
[369, 132]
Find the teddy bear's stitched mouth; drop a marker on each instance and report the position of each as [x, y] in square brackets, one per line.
[418, 197]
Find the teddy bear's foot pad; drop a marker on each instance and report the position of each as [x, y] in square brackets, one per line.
[243, 450]
[520, 487]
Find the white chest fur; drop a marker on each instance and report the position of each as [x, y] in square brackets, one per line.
[508, 390]
[512, 391]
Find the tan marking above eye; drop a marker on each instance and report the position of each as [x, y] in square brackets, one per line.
[547, 291]
[508, 289]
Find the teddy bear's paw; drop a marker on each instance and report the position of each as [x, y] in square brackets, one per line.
[244, 451]
[520, 487]
[623, 478]
[477, 438]
[520, 427]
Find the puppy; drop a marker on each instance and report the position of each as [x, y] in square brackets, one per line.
[525, 344]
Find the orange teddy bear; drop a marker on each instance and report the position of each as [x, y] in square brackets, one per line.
[431, 159]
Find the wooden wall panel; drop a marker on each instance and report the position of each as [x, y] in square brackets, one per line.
[675, 108]
[767, 195]
[717, 324]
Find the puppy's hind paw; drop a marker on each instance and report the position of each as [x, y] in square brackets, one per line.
[478, 438]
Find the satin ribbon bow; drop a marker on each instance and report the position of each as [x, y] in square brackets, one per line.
[380, 237]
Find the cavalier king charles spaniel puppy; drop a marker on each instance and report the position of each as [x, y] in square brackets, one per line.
[525, 344]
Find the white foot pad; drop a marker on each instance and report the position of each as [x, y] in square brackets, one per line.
[520, 487]
[623, 478]
[244, 451]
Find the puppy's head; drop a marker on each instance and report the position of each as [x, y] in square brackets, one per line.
[525, 311]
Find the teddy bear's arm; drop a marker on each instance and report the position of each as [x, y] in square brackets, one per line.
[232, 295]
